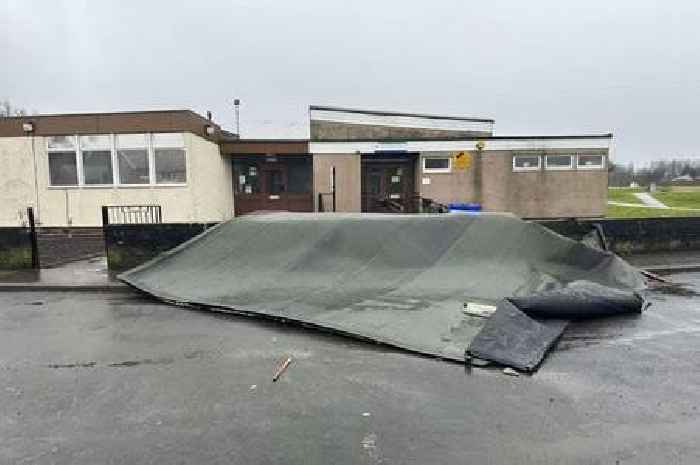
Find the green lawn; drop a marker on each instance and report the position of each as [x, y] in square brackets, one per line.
[624, 195]
[615, 211]
[678, 199]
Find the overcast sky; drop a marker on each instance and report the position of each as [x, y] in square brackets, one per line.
[539, 67]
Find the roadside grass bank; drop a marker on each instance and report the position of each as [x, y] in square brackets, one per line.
[617, 211]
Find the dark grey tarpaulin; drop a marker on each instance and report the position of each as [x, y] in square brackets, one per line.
[511, 338]
[523, 329]
[397, 279]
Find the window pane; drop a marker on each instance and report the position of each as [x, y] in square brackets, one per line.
[590, 160]
[275, 182]
[168, 140]
[436, 163]
[170, 166]
[131, 141]
[559, 161]
[97, 167]
[62, 169]
[299, 173]
[247, 180]
[133, 166]
[62, 142]
[527, 161]
[96, 142]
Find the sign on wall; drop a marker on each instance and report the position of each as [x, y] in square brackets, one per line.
[461, 160]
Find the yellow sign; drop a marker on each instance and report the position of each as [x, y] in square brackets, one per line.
[462, 160]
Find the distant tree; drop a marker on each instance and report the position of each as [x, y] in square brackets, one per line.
[7, 110]
[620, 175]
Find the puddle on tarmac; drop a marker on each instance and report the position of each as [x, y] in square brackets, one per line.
[124, 364]
[148, 361]
[676, 289]
[73, 365]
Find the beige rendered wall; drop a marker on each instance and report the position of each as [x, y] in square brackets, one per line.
[456, 186]
[17, 190]
[207, 195]
[542, 194]
[530, 194]
[347, 180]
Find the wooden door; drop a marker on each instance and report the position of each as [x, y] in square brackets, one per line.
[387, 187]
[261, 185]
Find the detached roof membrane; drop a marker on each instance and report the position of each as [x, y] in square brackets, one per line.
[397, 279]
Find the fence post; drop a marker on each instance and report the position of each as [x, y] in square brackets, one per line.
[35, 243]
[105, 223]
[105, 216]
[333, 175]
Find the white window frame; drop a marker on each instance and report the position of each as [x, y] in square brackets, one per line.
[603, 161]
[437, 170]
[149, 160]
[527, 168]
[572, 158]
[150, 151]
[78, 163]
[152, 160]
[81, 173]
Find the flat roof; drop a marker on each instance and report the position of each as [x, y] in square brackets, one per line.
[110, 122]
[607, 135]
[396, 113]
[263, 146]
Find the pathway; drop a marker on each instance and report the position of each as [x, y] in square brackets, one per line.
[649, 201]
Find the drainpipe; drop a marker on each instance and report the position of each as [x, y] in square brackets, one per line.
[478, 176]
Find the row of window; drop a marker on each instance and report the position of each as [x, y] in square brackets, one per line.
[121, 159]
[527, 162]
[558, 162]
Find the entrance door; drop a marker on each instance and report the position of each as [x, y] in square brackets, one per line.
[388, 186]
[280, 185]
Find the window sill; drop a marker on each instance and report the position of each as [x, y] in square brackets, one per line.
[437, 171]
[526, 170]
[590, 168]
[117, 186]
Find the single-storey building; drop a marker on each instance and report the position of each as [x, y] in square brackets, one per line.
[68, 166]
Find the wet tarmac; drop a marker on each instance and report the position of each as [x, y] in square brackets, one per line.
[117, 378]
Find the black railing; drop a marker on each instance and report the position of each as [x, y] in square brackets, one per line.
[131, 214]
[326, 202]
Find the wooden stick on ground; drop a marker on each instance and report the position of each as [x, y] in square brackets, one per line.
[281, 369]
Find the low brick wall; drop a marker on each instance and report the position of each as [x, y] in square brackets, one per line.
[58, 246]
[15, 248]
[130, 245]
[636, 236]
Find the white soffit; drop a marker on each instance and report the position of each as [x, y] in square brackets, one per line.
[573, 143]
[401, 121]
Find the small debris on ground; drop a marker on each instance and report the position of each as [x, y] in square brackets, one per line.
[366, 414]
[281, 369]
[510, 372]
[253, 386]
[478, 310]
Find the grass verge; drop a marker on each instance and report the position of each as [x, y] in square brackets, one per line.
[624, 195]
[678, 199]
[616, 211]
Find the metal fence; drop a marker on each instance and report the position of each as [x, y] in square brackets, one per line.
[131, 214]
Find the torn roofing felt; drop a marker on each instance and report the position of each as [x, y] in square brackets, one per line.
[397, 279]
[523, 329]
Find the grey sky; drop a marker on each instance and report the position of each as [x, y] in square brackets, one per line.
[538, 67]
